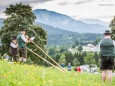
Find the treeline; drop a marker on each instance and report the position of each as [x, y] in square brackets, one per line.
[63, 55]
[65, 39]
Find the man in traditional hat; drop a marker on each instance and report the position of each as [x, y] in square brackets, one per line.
[22, 39]
[107, 56]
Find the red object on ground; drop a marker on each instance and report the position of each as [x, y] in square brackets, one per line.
[78, 69]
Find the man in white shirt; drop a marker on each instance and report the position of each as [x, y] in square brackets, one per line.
[13, 49]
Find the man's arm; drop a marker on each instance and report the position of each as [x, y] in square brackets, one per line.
[99, 45]
[114, 43]
[24, 38]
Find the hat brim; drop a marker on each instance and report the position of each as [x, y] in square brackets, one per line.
[23, 30]
[107, 33]
[13, 39]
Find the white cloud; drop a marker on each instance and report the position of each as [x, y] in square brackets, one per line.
[99, 9]
[86, 9]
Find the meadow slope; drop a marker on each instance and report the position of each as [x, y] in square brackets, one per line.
[30, 75]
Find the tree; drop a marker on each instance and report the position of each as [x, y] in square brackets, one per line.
[89, 59]
[63, 49]
[96, 41]
[77, 43]
[21, 16]
[73, 46]
[57, 57]
[84, 53]
[62, 59]
[76, 55]
[69, 58]
[80, 58]
[80, 48]
[52, 51]
[76, 62]
[112, 26]
[96, 57]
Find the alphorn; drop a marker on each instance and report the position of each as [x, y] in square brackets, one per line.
[48, 56]
[45, 60]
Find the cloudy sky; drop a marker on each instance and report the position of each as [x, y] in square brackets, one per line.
[78, 9]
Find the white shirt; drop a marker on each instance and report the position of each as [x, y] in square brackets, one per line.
[13, 45]
[23, 38]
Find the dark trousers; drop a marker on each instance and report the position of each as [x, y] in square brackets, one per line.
[15, 59]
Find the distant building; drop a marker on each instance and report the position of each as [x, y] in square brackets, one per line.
[90, 47]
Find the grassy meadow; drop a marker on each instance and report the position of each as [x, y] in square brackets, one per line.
[17, 74]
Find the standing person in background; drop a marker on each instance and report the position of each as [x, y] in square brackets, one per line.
[69, 67]
[78, 69]
[14, 49]
[107, 56]
[22, 40]
[62, 65]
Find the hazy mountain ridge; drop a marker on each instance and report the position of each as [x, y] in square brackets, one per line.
[67, 23]
[55, 31]
[94, 21]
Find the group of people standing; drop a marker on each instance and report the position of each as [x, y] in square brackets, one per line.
[18, 46]
[69, 67]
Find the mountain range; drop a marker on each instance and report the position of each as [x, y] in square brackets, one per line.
[95, 21]
[65, 22]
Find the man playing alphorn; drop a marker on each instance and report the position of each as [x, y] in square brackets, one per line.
[22, 39]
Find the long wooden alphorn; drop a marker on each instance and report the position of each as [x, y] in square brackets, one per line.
[45, 60]
[48, 56]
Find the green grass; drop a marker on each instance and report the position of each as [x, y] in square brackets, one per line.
[30, 75]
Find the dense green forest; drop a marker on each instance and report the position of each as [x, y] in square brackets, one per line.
[76, 57]
[72, 38]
